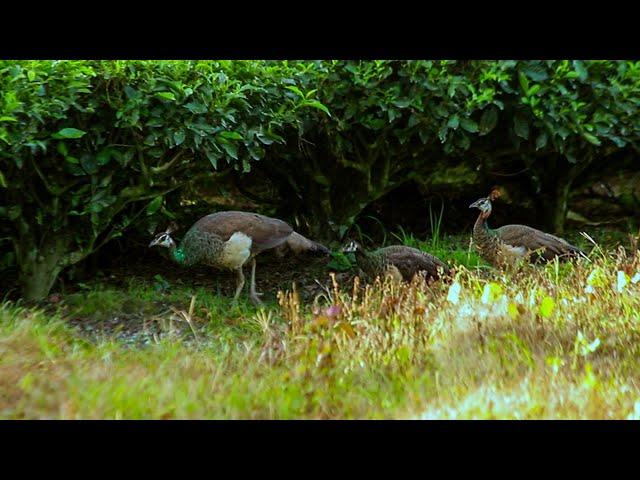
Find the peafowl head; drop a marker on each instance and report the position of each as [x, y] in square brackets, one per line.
[351, 247]
[484, 204]
[163, 239]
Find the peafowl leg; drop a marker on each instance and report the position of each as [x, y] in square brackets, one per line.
[239, 284]
[255, 296]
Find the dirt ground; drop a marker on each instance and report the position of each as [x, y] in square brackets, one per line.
[138, 323]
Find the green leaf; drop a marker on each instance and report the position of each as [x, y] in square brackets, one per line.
[524, 83]
[155, 205]
[318, 105]
[402, 103]
[541, 141]
[533, 90]
[256, 151]
[340, 261]
[295, 90]
[269, 137]
[8, 119]
[89, 164]
[453, 122]
[264, 139]
[546, 307]
[231, 149]
[617, 140]
[131, 93]
[196, 107]
[535, 72]
[213, 158]
[469, 125]
[3, 181]
[597, 278]
[491, 292]
[62, 149]
[413, 121]
[592, 138]
[103, 156]
[69, 133]
[580, 69]
[166, 96]
[231, 135]
[489, 120]
[374, 123]
[14, 212]
[179, 137]
[521, 126]
[31, 75]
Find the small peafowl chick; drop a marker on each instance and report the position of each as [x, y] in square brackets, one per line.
[228, 240]
[399, 261]
[504, 246]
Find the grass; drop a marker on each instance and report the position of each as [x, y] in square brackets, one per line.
[447, 248]
[554, 341]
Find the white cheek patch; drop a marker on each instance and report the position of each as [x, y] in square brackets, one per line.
[236, 251]
[350, 248]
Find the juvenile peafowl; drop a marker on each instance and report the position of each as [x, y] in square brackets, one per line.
[506, 245]
[229, 240]
[398, 261]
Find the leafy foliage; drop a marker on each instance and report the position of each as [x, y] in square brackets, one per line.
[398, 121]
[90, 148]
[87, 148]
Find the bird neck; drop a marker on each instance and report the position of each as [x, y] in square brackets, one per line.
[368, 261]
[481, 227]
[484, 236]
[178, 255]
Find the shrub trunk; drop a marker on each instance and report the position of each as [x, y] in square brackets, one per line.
[40, 267]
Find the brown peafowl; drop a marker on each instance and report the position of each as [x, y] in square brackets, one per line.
[504, 246]
[228, 240]
[399, 261]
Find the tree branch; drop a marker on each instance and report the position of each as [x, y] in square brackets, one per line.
[167, 165]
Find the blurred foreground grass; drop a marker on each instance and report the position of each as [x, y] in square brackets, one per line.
[554, 341]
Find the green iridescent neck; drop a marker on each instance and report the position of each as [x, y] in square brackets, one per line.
[178, 254]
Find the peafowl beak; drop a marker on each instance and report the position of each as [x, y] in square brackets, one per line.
[156, 241]
[476, 204]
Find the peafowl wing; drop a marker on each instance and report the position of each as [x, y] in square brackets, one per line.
[265, 232]
[532, 239]
[410, 261]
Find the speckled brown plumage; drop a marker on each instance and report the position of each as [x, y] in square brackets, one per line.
[505, 245]
[230, 239]
[407, 261]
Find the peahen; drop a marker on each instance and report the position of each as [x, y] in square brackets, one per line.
[504, 246]
[398, 261]
[229, 240]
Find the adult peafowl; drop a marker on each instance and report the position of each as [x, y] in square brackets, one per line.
[229, 240]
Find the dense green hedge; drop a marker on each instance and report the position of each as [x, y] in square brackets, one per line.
[90, 148]
[87, 148]
[446, 122]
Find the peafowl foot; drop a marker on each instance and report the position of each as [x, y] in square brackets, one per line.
[255, 298]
